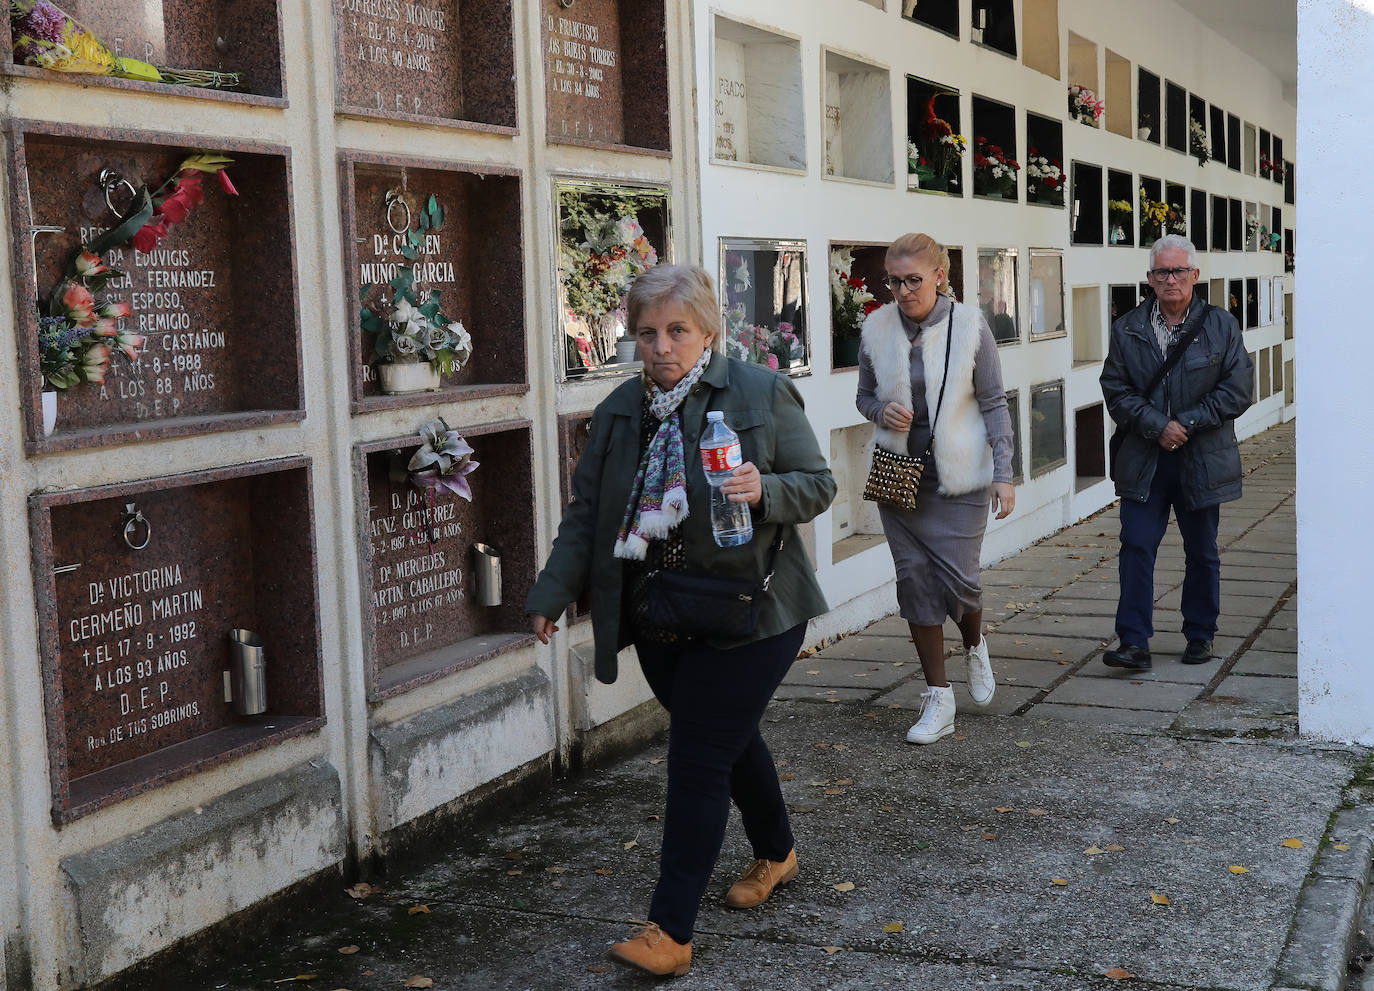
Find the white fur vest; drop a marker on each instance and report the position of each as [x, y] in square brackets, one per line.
[962, 454]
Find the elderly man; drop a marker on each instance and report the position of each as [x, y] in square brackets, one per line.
[1176, 377]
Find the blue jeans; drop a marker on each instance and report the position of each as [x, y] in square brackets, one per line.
[715, 701]
[1142, 528]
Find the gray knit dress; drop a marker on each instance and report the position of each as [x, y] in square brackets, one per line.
[937, 547]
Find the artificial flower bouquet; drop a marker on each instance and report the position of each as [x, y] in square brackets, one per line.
[850, 300]
[994, 171]
[79, 334]
[1197, 141]
[1084, 106]
[1153, 215]
[1044, 179]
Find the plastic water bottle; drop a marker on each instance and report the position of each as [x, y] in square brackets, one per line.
[731, 524]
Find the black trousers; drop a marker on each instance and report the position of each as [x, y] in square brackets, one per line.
[715, 700]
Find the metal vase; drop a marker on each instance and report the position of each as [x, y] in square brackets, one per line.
[486, 574]
[247, 673]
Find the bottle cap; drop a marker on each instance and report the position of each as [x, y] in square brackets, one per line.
[715, 414]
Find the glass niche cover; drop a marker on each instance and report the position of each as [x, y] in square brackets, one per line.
[608, 234]
[997, 293]
[763, 302]
[1046, 294]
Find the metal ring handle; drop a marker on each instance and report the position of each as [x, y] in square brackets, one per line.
[392, 199]
[110, 180]
[131, 525]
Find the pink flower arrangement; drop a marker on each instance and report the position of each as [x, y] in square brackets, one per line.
[1084, 105]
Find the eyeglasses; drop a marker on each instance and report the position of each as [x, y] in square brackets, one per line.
[913, 283]
[1165, 274]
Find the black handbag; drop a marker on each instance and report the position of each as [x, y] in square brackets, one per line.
[1170, 360]
[691, 605]
[893, 478]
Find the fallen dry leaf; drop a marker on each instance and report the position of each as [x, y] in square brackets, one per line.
[1059, 881]
[887, 808]
[418, 910]
[844, 781]
[893, 927]
[298, 977]
[1293, 843]
[820, 783]
[514, 872]
[840, 746]
[346, 950]
[1094, 850]
[831, 950]
[1160, 899]
[1003, 809]
[834, 791]
[420, 981]
[1065, 663]
[1340, 846]
[822, 746]
[603, 872]
[1172, 821]
[844, 886]
[556, 869]
[1114, 848]
[989, 836]
[870, 715]
[656, 760]
[1118, 974]
[514, 855]
[631, 844]
[1237, 869]
[813, 671]
[787, 777]
[1022, 743]
[1036, 812]
[596, 968]
[361, 890]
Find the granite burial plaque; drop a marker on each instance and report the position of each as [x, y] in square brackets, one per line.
[240, 36]
[146, 582]
[210, 347]
[582, 70]
[400, 57]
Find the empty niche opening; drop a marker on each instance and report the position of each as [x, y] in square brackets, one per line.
[1122, 300]
[854, 522]
[1120, 208]
[994, 25]
[1147, 116]
[942, 15]
[1118, 94]
[1198, 213]
[1216, 132]
[1040, 36]
[1262, 368]
[1287, 298]
[998, 292]
[1085, 221]
[1087, 325]
[1235, 217]
[994, 141]
[1048, 445]
[1089, 450]
[1252, 306]
[1235, 300]
[1151, 224]
[856, 271]
[1082, 70]
[1018, 471]
[759, 111]
[1176, 199]
[1216, 294]
[1219, 223]
[1250, 162]
[1289, 394]
[1045, 178]
[858, 119]
[1175, 117]
[1233, 148]
[934, 161]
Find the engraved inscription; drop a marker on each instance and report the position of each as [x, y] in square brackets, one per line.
[582, 65]
[401, 57]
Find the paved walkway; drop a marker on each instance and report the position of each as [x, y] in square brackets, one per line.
[1094, 831]
[1049, 610]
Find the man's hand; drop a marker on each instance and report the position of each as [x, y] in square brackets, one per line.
[543, 627]
[1173, 436]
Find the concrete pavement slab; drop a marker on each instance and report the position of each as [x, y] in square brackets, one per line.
[1273, 695]
[812, 693]
[1037, 648]
[1159, 696]
[1083, 589]
[1283, 640]
[1007, 699]
[1165, 669]
[891, 626]
[1047, 623]
[867, 648]
[1058, 606]
[1097, 715]
[1011, 671]
[819, 670]
[1265, 662]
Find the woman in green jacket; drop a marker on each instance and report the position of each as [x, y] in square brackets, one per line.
[641, 503]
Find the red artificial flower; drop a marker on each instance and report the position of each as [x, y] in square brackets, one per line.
[80, 305]
[870, 306]
[1031, 152]
[189, 187]
[116, 308]
[174, 208]
[857, 282]
[88, 264]
[147, 237]
[225, 184]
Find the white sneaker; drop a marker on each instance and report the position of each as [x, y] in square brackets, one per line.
[981, 683]
[937, 716]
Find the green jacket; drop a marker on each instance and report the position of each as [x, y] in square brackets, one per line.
[765, 409]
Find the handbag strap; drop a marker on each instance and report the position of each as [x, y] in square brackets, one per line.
[772, 561]
[949, 346]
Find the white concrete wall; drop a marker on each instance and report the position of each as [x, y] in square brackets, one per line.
[740, 201]
[1336, 433]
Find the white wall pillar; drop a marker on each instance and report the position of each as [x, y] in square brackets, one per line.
[1336, 354]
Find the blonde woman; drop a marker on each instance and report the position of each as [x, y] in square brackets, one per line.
[914, 349]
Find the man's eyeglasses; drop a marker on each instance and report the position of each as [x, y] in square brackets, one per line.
[1165, 274]
[913, 283]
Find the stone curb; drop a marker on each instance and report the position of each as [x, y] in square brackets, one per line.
[1317, 953]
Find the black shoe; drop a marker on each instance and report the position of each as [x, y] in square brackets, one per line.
[1126, 656]
[1198, 652]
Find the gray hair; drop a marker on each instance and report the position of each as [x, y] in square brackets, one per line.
[1174, 241]
[689, 285]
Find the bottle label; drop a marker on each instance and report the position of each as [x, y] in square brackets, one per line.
[725, 458]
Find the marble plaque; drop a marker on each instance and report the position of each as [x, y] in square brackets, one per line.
[401, 58]
[211, 347]
[731, 108]
[582, 71]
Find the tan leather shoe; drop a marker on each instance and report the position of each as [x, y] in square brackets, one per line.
[759, 881]
[653, 950]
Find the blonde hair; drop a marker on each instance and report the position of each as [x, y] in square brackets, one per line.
[689, 285]
[925, 248]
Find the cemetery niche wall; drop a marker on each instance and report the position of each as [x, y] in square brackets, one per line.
[140, 586]
[169, 342]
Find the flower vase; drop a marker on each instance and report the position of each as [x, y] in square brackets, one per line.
[1143, 133]
[49, 412]
[399, 378]
[846, 352]
[626, 350]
